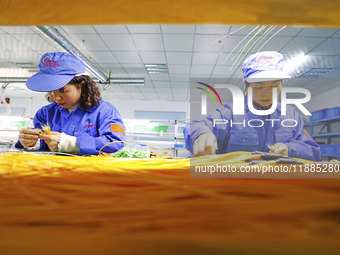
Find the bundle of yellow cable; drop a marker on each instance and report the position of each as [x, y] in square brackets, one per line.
[20, 164]
[103, 205]
[45, 129]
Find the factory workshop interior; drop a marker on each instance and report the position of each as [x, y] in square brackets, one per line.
[156, 64]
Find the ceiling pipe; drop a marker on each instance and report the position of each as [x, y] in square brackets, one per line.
[53, 34]
[115, 81]
[13, 80]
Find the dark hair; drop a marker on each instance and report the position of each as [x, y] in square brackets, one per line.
[90, 94]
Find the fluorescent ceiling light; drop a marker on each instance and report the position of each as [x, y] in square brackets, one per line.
[114, 81]
[316, 72]
[156, 68]
[25, 65]
[151, 65]
[12, 79]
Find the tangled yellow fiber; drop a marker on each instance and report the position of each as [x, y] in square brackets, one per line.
[101, 205]
[20, 164]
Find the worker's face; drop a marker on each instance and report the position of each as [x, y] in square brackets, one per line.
[263, 92]
[67, 97]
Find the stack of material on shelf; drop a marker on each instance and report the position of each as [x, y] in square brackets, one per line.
[102, 205]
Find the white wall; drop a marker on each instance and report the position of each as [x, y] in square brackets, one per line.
[325, 100]
[125, 107]
[31, 105]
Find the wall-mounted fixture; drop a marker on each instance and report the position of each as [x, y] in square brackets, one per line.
[156, 68]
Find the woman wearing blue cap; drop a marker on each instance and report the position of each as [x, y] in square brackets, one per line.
[263, 71]
[81, 122]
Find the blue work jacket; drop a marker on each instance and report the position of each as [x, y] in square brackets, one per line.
[239, 137]
[94, 127]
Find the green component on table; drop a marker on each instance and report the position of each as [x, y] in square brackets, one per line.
[126, 153]
[140, 154]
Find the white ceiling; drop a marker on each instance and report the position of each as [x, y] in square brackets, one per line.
[190, 51]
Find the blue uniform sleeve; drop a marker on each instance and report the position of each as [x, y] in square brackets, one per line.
[110, 129]
[216, 123]
[302, 145]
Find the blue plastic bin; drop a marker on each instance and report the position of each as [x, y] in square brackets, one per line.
[318, 115]
[322, 149]
[336, 150]
[333, 112]
[330, 150]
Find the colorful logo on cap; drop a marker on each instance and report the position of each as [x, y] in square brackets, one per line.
[48, 62]
[264, 60]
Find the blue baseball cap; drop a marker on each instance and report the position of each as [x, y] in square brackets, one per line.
[56, 70]
[264, 66]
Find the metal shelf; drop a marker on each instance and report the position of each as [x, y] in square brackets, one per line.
[172, 139]
[331, 155]
[325, 134]
[325, 124]
[322, 120]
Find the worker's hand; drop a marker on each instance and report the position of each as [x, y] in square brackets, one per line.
[28, 137]
[280, 148]
[52, 140]
[205, 145]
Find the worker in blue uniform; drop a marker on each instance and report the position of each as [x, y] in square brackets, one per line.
[263, 71]
[81, 122]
